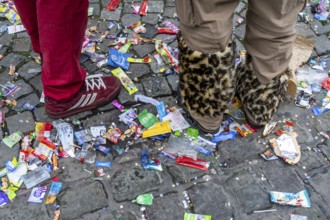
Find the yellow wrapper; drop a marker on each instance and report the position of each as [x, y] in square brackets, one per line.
[139, 60]
[158, 128]
[125, 80]
[13, 17]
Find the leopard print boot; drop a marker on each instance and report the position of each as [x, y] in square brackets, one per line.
[206, 84]
[260, 101]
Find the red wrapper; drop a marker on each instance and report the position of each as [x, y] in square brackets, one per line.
[165, 31]
[112, 5]
[144, 8]
[190, 162]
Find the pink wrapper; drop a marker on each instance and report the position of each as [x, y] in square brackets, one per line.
[119, 106]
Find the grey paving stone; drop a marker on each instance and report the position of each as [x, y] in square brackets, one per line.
[94, 198]
[150, 19]
[210, 198]
[173, 80]
[304, 30]
[101, 119]
[41, 115]
[170, 3]
[281, 177]
[128, 19]
[240, 7]
[138, 70]
[126, 98]
[24, 70]
[21, 209]
[322, 44]
[133, 181]
[155, 6]
[248, 195]
[235, 19]
[151, 31]
[96, 7]
[23, 122]
[73, 170]
[169, 12]
[90, 66]
[7, 153]
[111, 15]
[320, 183]
[166, 38]
[5, 77]
[143, 50]
[12, 58]
[183, 173]
[156, 86]
[24, 89]
[240, 31]
[22, 44]
[33, 99]
[6, 39]
[167, 207]
[318, 28]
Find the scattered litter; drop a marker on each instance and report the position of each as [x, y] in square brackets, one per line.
[300, 199]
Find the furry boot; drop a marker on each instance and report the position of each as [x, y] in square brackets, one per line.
[206, 83]
[260, 101]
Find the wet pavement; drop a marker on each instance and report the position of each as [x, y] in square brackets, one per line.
[231, 192]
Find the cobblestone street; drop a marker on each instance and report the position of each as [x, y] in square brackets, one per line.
[238, 180]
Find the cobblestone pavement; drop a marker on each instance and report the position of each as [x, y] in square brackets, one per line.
[232, 192]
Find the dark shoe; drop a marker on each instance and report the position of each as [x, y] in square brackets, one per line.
[206, 84]
[98, 90]
[260, 101]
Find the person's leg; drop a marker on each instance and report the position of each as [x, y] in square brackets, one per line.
[206, 59]
[27, 9]
[263, 79]
[62, 26]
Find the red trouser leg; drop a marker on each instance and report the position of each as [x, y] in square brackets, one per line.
[61, 28]
[27, 10]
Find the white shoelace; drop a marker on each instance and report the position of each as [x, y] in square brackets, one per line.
[93, 81]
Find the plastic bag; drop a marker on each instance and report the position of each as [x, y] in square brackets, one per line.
[180, 146]
[311, 75]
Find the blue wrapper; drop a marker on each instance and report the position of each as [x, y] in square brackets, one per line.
[118, 59]
[4, 200]
[149, 164]
[161, 110]
[300, 199]
[103, 149]
[224, 137]
[103, 164]
[319, 110]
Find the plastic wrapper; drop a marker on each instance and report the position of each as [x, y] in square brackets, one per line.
[13, 139]
[113, 135]
[161, 30]
[4, 200]
[65, 133]
[9, 88]
[128, 116]
[320, 110]
[13, 17]
[112, 5]
[28, 106]
[54, 190]
[118, 59]
[42, 130]
[125, 48]
[197, 147]
[148, 164]
[97, 131]
[190, 216]
[35, 177]
[224, 137]
[180, 146]
[145, 199]
[38, 194]
[311, 75]
[147, 119]
[300, 199]
[144, 8]
[119, 106]
[2, 117]
[170, 25]
[177, 121]
[193, 163]
[164, 51]
[44, 149]
[103, 149]
[136, 8]
[157, 129]
[139, 60]
[82, 136]
[103, 164]
[125, 81]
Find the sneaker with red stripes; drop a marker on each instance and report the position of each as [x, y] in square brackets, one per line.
[98, 90]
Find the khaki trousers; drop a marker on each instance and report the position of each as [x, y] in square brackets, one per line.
[206, 25]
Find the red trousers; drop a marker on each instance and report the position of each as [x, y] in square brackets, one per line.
[57, 29]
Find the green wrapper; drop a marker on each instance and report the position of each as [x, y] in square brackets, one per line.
[145, 199]
[147, 119]
[13, 139]
[189, 216]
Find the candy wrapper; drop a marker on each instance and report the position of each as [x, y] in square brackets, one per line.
[9, 88]
[103, 164]
[190, 216]
[193, 163]
[13, 139]
[144, 8]
[82, 136]
[38, 194]
[158, 128]
[4, 200]
[300, 199]
[139, 60]
[149, 164]
[13, 17]
[44, 149]
[177, 121]
[164, 51]
[147, 119]
[171, 26]
[128, 116]
[224, 137]
[97, 131]
[42, 130]
[65, 133]
[103, 149]
[35, 177]
[55, 189]
[161, 30]
[113, 135]
[112, 5]
[119, 106]
[118, 59]
[145, 199]
[2, 117]
[125, 80]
